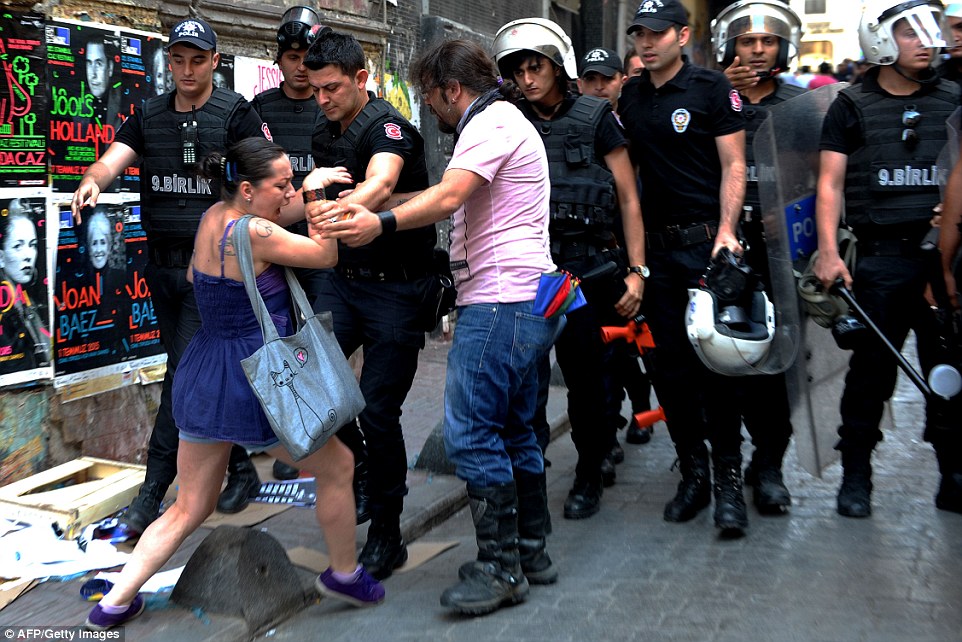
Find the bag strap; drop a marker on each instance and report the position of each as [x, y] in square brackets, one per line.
[245, 259]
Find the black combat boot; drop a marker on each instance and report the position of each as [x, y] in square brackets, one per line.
[855, 494]
[495, 578]
[385, 549]
[764, 475]
[694, 489]
[145, 507]
[532, 528]
[730, 510]
[949, 496]
[242, 484]
[283, 471]
[584, 498]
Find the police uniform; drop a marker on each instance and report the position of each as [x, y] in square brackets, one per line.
[763, 399]
[376, 292]
[288, 119]
[673, 131]
[173, 199]
[583, 209]
[890, 189]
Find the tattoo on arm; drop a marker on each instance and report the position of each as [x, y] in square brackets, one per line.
[263, 229]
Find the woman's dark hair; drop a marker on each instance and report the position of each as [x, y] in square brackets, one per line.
[463, 61]
[246, 160]
[339, 49]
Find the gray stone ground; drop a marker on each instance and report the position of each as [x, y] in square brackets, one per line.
[628, 575]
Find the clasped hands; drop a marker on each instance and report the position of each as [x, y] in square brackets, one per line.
[351, 223]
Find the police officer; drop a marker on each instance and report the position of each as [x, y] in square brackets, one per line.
[170, 133]
[951, 67]
[289, 111]
[686, 133]
[376, 292]
[591, 177]
[880, 140]
[755, 40]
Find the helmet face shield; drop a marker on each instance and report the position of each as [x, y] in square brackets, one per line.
[927, 25]
[876, 30]
[299, 26]
[762, 17]
[540, 36]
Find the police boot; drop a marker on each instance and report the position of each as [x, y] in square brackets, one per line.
[949, 496]
[764, 475]
[584, 498]
[242, 485]
[532, 528]
[144, 508]
[694, 489]
[284, 471]
[730, 510]
[855, 494]
[385, 549]
[495, 578]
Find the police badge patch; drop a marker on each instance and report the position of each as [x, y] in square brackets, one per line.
[392, 131]
[736, 100]
[680, 119]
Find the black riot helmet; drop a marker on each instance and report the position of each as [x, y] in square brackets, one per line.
[299, 27]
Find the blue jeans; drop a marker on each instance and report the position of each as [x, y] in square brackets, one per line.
[491, 391]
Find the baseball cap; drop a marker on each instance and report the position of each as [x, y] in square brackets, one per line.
[658, 15]
[194, 32]
[604, 61]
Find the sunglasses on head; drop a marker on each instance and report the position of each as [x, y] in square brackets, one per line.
[910, 119]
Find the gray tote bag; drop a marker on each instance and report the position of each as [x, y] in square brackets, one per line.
[303, 382]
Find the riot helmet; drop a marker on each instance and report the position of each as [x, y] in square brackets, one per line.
[299, 26]
[770, 17]
[953, 10]
[539, 36]
[730, 320]
[875, 34]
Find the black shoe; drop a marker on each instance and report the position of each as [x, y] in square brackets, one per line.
[608, 473]
[769, 493]
[485, 587]
[950, 493]
[284, 472]
[383, 552]
[637, 435]
[584, 500]
[617, 454]
[730, 511]
[855, 494]
[691, 497]
[144, 509]
[242, 485]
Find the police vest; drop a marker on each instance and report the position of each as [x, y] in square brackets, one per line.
[755, 115]
[173, 196]
[412, 249]
[290, 121]
[886, 181]
[582, 187]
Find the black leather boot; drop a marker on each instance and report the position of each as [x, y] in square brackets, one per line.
[384, 549]
[495, 578]
[764, 475]
[694, 489]
[855, 494]
[949, 496]
[362, 499]
[242, 484]
[730, 510]
[584, 498]
[145, 507]
[532, 528]
[283, 471]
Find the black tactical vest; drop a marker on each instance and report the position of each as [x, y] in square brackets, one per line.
[291, 122]
[582, 187]
[412, 249]
[755, 115]
[173, 197]
[888, 182]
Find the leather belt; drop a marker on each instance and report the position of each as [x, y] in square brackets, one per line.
[908, 248]
[676, 236]
[397, 274]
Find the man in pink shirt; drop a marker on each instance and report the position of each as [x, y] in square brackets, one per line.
[823, 77]
[496, 190]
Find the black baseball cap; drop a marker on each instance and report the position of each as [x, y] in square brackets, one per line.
[194, 32]
[659, 15]
[603, 61]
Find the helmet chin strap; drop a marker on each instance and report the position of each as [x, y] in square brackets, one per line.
[929, 78]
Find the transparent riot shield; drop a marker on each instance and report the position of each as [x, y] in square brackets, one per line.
[786, 153]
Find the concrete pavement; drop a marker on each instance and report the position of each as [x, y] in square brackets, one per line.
[628, 575]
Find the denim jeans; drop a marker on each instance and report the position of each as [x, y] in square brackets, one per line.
[491, 391]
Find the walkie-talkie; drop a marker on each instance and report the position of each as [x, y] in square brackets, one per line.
[188, 137]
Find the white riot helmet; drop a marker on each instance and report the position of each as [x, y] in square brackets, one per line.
[730, 321]
[540, 36]
[879, 16]
[756, 17]
[953, 10]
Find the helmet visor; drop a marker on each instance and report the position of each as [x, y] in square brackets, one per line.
[304, 15]
[926, 23]
[760, 23]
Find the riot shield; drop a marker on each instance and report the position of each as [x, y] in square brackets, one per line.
[786, 153]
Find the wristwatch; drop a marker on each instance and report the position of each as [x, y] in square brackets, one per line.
[640, 270]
